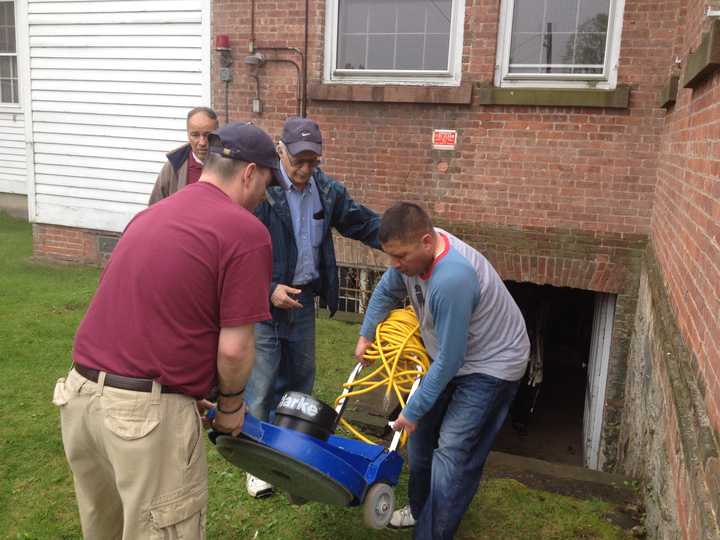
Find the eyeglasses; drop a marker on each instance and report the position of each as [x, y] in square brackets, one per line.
[298, 163]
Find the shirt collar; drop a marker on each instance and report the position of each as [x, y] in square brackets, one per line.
[197, 160]
[446, 241]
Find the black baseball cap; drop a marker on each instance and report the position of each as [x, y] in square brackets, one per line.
[300, 135]
[246, 142]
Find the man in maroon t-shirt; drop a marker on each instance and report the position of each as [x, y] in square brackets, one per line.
[173, 315]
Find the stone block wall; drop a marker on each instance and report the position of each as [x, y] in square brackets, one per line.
[667, 438]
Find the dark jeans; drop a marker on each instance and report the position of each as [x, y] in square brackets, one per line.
[447, 451]
[284, 359]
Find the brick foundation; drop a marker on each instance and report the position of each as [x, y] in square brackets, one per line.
[58, 244]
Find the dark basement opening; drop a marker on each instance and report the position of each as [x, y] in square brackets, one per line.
[546, 419]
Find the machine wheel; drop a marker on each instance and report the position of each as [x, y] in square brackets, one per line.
[296, 500]
[379, 506]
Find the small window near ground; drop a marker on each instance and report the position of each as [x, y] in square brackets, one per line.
[394, 41]
[559, 43]
[8, 54]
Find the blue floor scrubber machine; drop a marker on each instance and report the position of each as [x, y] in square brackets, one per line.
[299, 454]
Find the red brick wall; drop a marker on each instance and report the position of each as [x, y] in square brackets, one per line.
[685, 227]
[530, 167]
[55, 243]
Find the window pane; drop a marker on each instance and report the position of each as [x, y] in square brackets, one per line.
[6, 67]
[594, 13]
[558, 48]
[410, 51]
[6, 91]
[7, 27]
[590, 49]
[528, 16]
[351, 52]
[381, 52]
[569, 36]
[411, 16]
[526, 49]
[439, 16]
[353, 16]
[436, 52]
[561, 15]
[398, 34]
[8, 79]
[7, 14]
[382, 17]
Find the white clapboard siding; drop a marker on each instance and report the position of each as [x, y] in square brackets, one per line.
[13, 178]
[156, 53]
[114, 30]
[157, 7]
[111, 82]
[85, 173]
[113, 41]
[93, 120]
[106, 98]
[89, 183]
[137, 134]
[92, 141]
[103, 75]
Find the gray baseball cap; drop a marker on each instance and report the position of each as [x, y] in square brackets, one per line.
[301, 135]
[246, 142]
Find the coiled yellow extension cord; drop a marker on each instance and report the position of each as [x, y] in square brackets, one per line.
[403, 357]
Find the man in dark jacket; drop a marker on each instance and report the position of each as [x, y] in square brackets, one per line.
[184, 164]
[300, 215]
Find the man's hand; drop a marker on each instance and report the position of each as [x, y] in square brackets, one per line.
[362, 345]
[203, 406]
[403, 423]
[281, 297]
[229, 423]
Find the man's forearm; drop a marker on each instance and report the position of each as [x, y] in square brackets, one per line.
[234, 365]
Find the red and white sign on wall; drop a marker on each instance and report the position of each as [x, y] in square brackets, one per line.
[444, 139]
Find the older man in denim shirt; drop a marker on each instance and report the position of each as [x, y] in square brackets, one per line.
[300, 215]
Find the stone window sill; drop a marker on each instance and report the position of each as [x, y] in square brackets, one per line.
[705, 60]
[618, 98]
[668, 94]
[453, 95]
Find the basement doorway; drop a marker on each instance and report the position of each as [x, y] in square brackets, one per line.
[557, 414]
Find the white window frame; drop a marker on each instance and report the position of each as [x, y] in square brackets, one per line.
[15, 105]
[605, 81]
[451, 77]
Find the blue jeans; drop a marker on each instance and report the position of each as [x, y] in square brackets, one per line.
[284, 359]
[448, 449]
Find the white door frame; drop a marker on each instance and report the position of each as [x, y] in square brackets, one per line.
[603, 318]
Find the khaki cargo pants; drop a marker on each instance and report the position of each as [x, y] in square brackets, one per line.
[138, 460]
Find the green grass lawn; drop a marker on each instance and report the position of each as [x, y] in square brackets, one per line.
[40, 307]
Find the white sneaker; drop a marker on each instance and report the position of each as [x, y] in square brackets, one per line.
[257, 488]
[402, 519]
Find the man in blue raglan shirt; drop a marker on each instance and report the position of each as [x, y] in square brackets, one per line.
[475, 334]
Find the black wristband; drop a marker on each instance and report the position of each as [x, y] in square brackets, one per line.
[231, 394]
[220, 409]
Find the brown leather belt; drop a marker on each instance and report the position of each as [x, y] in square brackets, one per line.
[122, 382]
